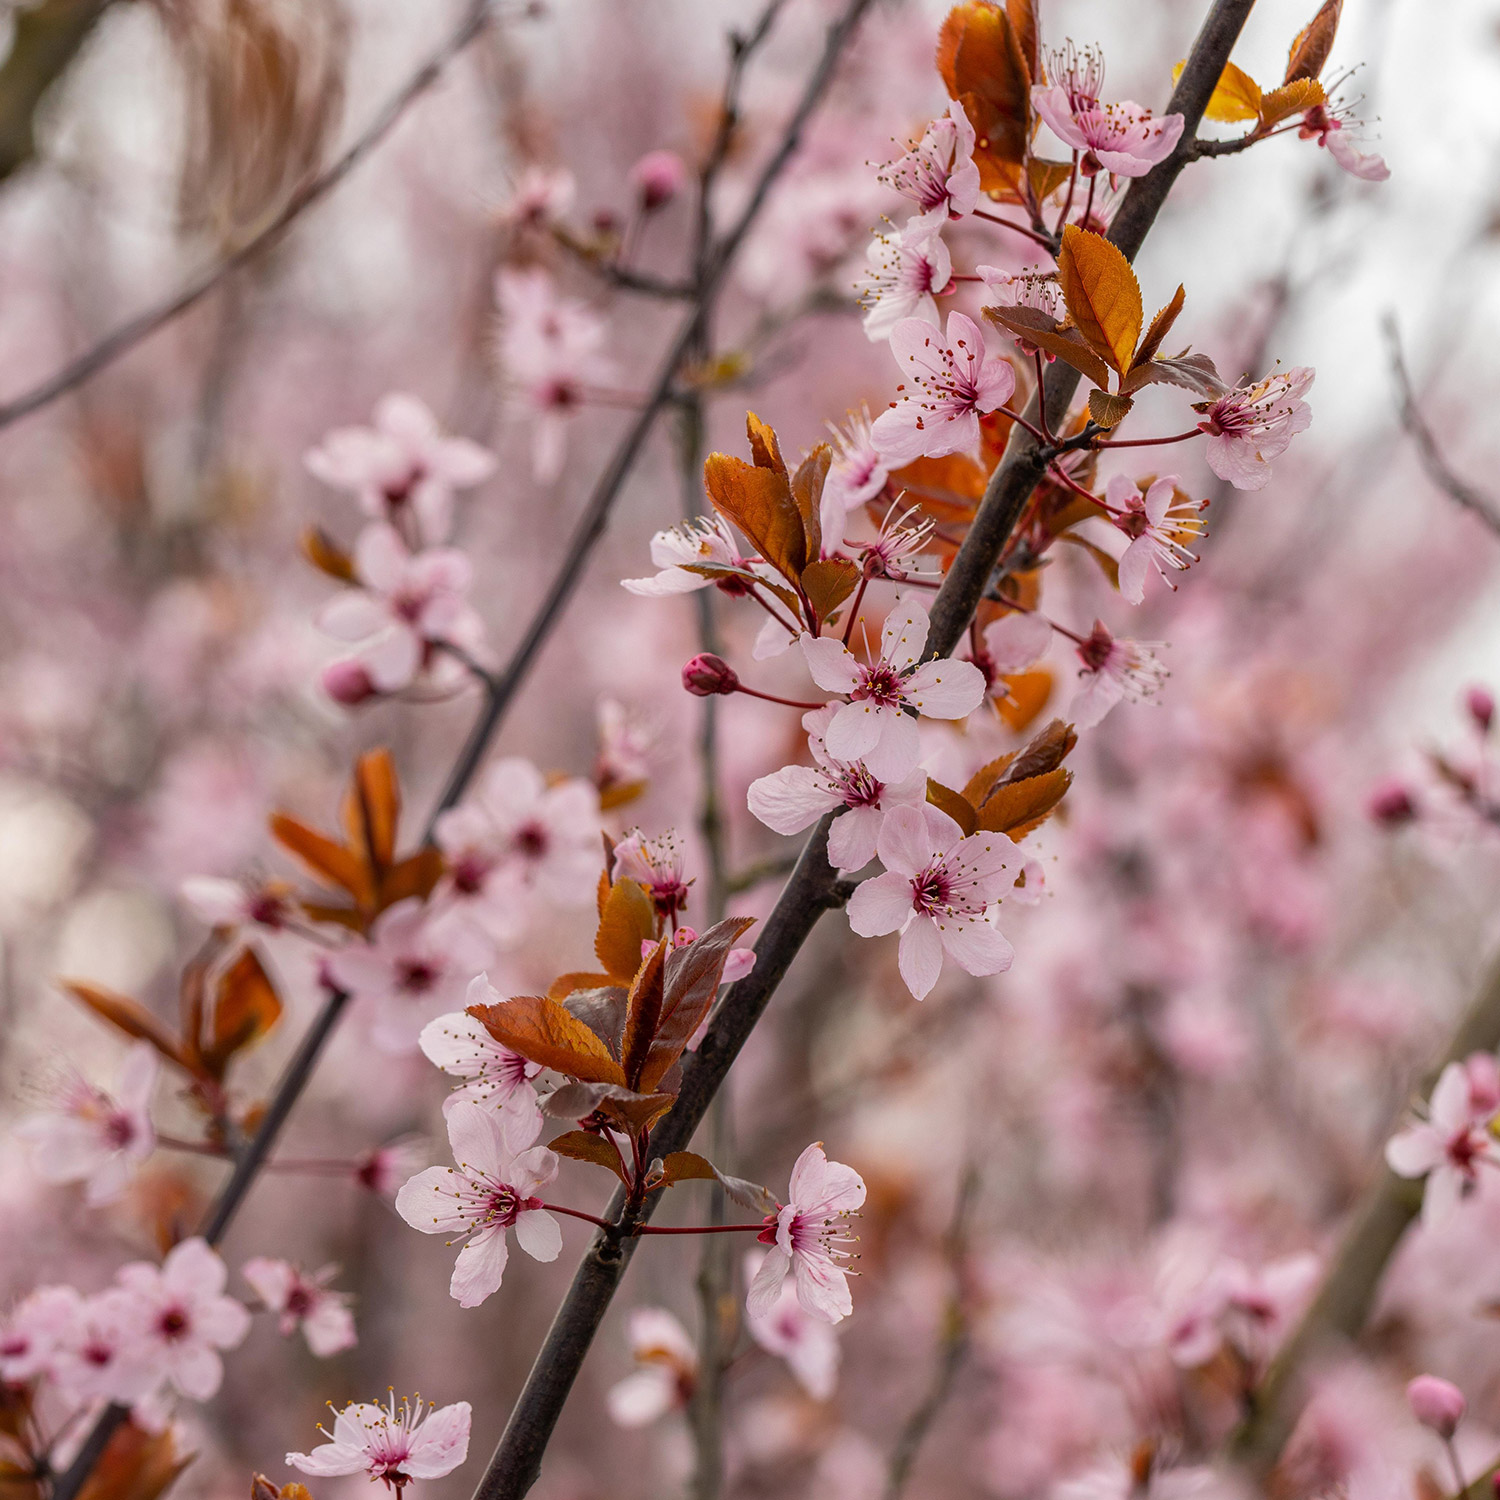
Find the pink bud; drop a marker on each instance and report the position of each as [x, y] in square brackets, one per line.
[347, 682]
[707, 674]
[1436, 1404]
[1480, 702]
[1392, 803]
[1483, 1073]
[657, 178]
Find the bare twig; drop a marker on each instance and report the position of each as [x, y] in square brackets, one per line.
[1433, 463]
[143, 325]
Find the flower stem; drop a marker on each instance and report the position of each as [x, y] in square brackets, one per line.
[578, 1213]
[702, 1229]
[772, 698]
[1180, 437]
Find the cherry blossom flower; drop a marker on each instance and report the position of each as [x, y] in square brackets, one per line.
[856, 474]
[102, 1357]
[460, 1045]
[41, 1325]
[304, 1301]
[542, 196]
[936, 892]
[383, 1170]
[93, 1137]
[1113, 669]
[390, 1443]
[704, 542]
[1321, 124]
[1249, 426]
[807, 1344]
[795, 797]
[1156, 522]
[898, 547]
[1034, 289]
[905, 272]
[241, 903]
[948, 383]
[402, 466]
[807, 1237]
[1122, 139]
[407, 607]
[667, 1370]
[877, 725]
[1251, 1308]
[1030, 884]
[182, 1318]
[1449, 1146]
[408, 972]
[1012, 644]
[939, 173]
[626, 740]
[491, 1189]
[656, 864]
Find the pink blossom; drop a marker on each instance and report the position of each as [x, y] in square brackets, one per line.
[656, 864]
[460, 1045]
[1155, 522]
[1030, 884]
[408, 605]
[41, 1325]
[938, 174]
[491, 1189]
[542, 196]
[383, 1170]
[936, 892]
[304, 1301]
[626, 740]
[948, 384]
[704, 542]
[877, 725]
[795, 797]
[667, 1370]
[182, 1318]
[1437, 1404]
[1251, 1308]
[657, 178]
[905, 272]
[1249, 426]
[807, 1344]
[857, 473]
[1113, 669]
[103, 1357]
[1449, 1146]
[93, 1137]
[1014, 643]
[240, 903]
[1122, 139]
[807, 1237]
[402, 466]
[1330, 131]
[392, 1444]
[1032, 289]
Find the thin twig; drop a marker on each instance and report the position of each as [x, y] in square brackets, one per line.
[143, 325]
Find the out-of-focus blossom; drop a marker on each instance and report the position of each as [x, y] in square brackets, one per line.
[656, 864]
[1252, 424]
[304, 1301]
[807, 1236]
[1392, 802]
[491, 1189]
[1156, 523]
[808, 1344]
[93, 1137]
[391, 1443]
[1451, 1144]
[1015, 642]
[103, 1357]
[857, 474]
[873, 726]
[1122, 139]
[241, 903]
[939, 173]
[37, 1330]
[947, 383]
[667, 1370]
[1113, 669]
[1437, 1404]
[905, 273]
[936, 892]
[542, 196]
[657, 178]
[1251, 1308]
[383, 1170]
[1328, 130]
[625, 743]
[1479, 703]
[401, 466]
[460, 1045]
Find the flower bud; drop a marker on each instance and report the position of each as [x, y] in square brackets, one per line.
[1483, 1073]
[347, 682]
[657, 178]
[1480, 702]
[707, 674]
[1392, 803]
[1436, 1404]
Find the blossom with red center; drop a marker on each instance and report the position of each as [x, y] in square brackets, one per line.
[383, 1170]
[1012, 644]
[948, 384]
[1156, 523]
[905, 272]
[1252, 424]
[1113, 669]
[303, 1300]
[666, 1370]
[656, 864]
[241, 903]
[702, 543]
[795, 797]
[857, 473]
[808, 1237]
[937, 892]
[492, 1188]
[101, 1356]
[939, 173]
[541, 197]
[401, 466]
[390, 1443]
[1034, 289]
[878, 724]
[1122, 139]
[95, 1137]
[41, 1325]
[1450, 1145]
[1321, 124]
[459, 1045]
[1250, 1308]
[808, 1344]
[657, 178]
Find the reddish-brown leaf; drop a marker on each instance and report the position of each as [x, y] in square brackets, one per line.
[985, 779]
[1033, 325]
[643, 1007]
[576, 979]
[945, 799]
[580, 1145]
[764, 448]
[1109, 411]
[980, 59]
[1290, 99]
[1309, 51]
[1018, 807]
[327, 860]
[129, 1016]
[685, 1166]
[372, 808]
[1026, 695]
[759, 502]
[807, 492]
[1044, 752]
[542, 1030]
[246, 1008]
[1022, 15]
[1161, 325]
[135, 1465]
[1102, 295]
[602, 1010]
[635, 1113]
[326, 555]
[627, 920]
[828, 582]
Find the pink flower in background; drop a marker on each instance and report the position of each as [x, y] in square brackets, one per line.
[1451, 1144]
[96, 1138]
[1122, 139]
[182, 1318]
[492, 1189]
[807, 1236]
[103, 1356]
[938, 174]
[542, 196]
[392, 1444]
[38, 1329]
[1156, 522]
[402, 466]
[807, 1344]
[936, 891]
[1250, 1307]
[383, 1170]
[657, 178]
[1436, 1403]
[304, 1301]
[905, 272]
[1015, 642]
[875, 725]
[1113, 669]
[626, 740]
[947, 383]
[1330, 131]
[667, 1370]
[857, 473]
[241, 903]
[460, 1045]
[795, 797]
[1249, 426]
[704, 542]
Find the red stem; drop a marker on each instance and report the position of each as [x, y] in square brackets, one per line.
[1062, 218]
[859, 598]
[703, 1229]
[578, 1213]
[1180, 437]
[772, 698]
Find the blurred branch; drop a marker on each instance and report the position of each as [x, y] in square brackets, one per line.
[143, 325]
[47, 39]
[1431, 456]
[1342, 1305]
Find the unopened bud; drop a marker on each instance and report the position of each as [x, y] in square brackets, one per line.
[657, 178]
[1436, 1404]
[707, 674]
[1480, 702]
[1392, 803]
[348, 683]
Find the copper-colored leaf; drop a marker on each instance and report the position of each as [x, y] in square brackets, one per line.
[634, 1113]
[1026, 695]
[1236, 96]
[1193, 372]
[1109, 566]
[130, 1016]
[1022, 15]
[326, 555]
[575, 979]
[580, 1145]
[983, 781]
[542, 1030]
[684, 1166]
[764, 447]
[980, 59]
[602, 1010]
[759, 502]
[1161, 325]
[1109, 411]
[1309, 51]
[135, 1465]
[372, 808]
[1102, 295]
[1043, 752]
[246, 1007]
[1017, 807]
[945, 799]
[1290, 99]
[643, 1007]
[627, 921]
[827, 583]
[1067, 344]
[416, 875]
[327, 860]
[615, 794]
[807, 492]
[1045, 176]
